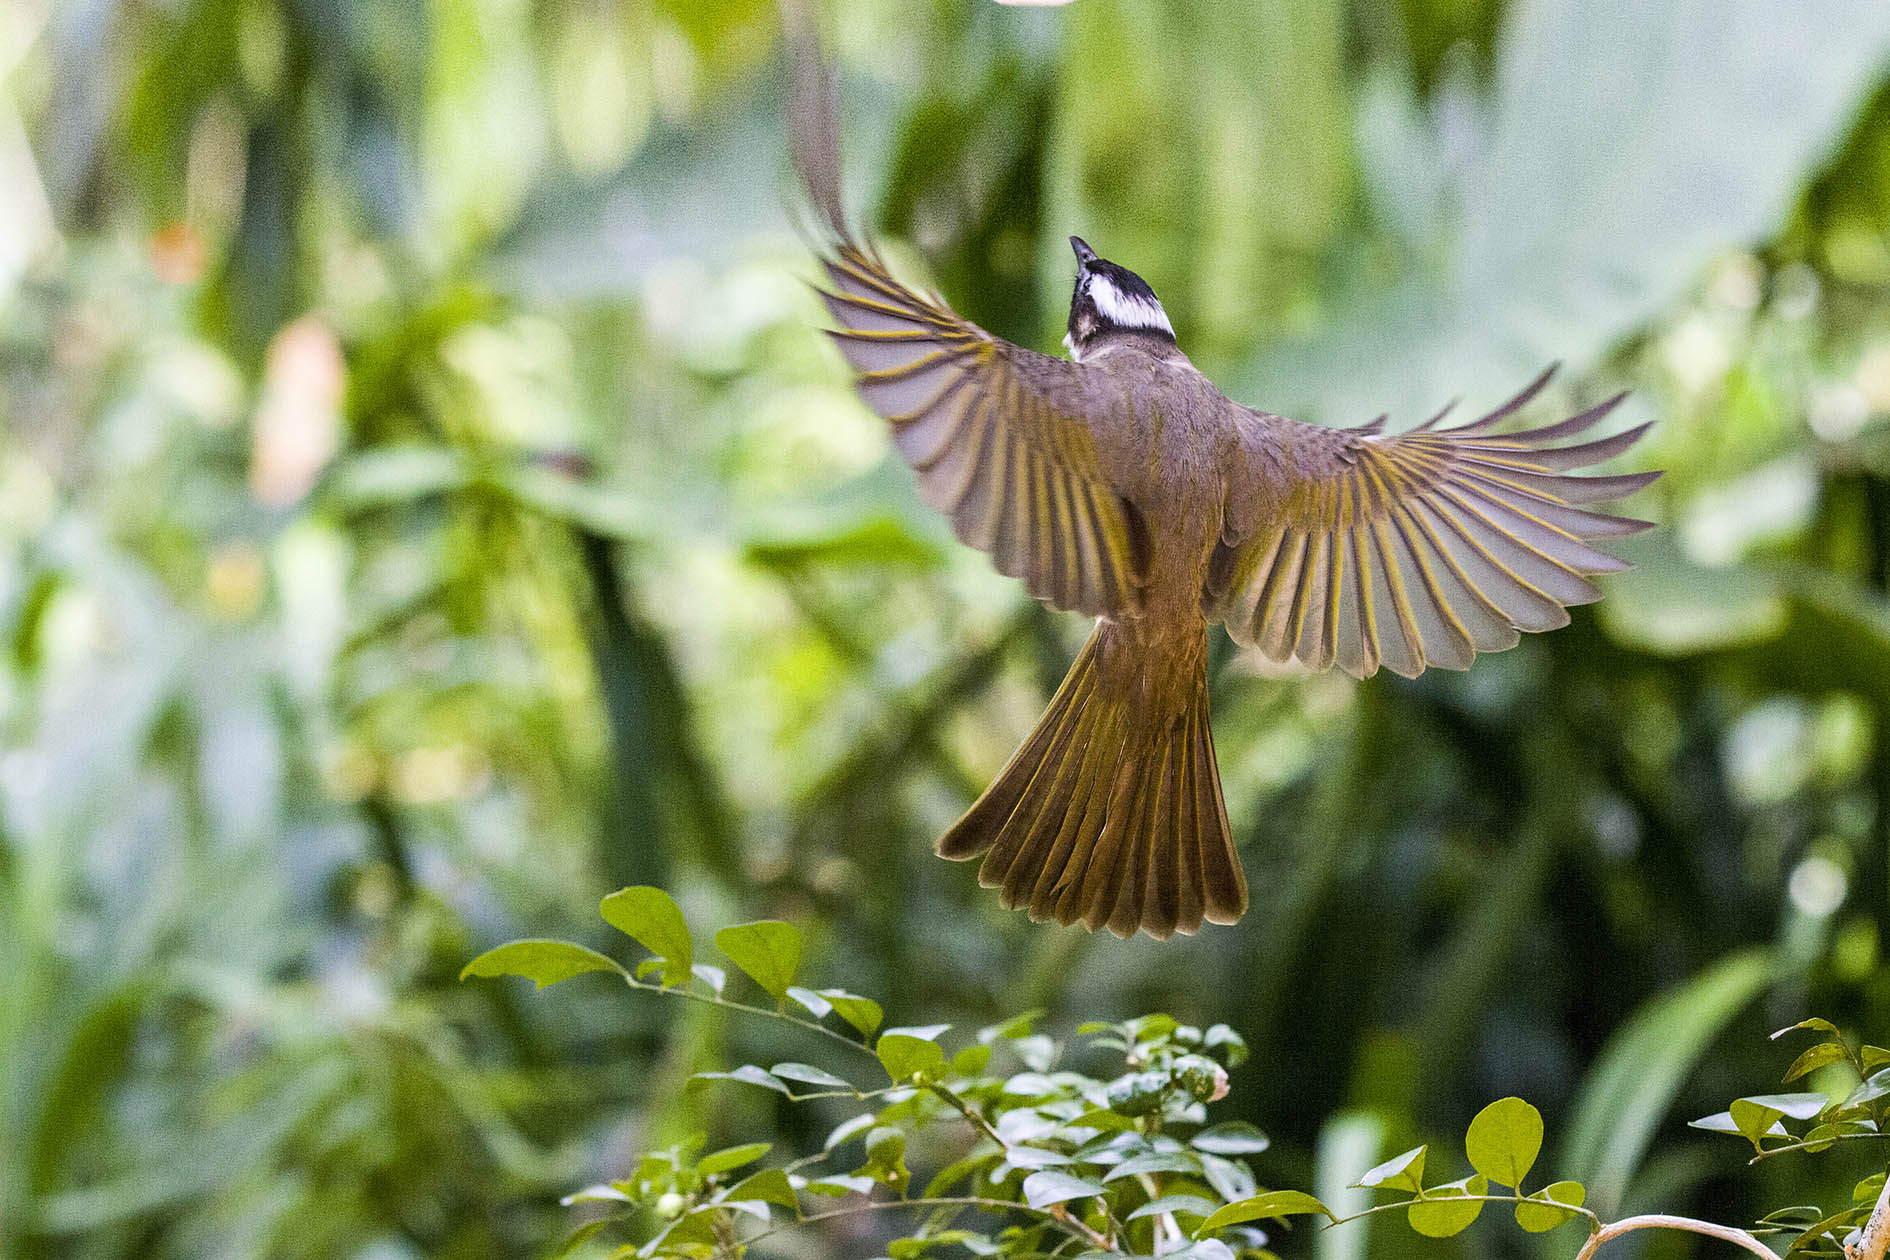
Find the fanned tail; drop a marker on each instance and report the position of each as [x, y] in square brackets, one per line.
[1110, 812]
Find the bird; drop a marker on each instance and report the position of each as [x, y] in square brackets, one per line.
[1121, 484]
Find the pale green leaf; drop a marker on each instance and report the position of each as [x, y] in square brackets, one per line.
[1504, 1140]
[544, 963]
[651, 918]
[1274, 1203]
[732, 1157]
[1448, 1209]
[1543, 1211]
[769, 951]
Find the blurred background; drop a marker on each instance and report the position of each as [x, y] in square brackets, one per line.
[427, 504]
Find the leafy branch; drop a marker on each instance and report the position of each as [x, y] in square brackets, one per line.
[1123, 1162]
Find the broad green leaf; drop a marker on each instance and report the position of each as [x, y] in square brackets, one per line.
[1811, 1060]
[732, 1157]
[1874, 1059]
[863, 1013]
[1504, 1140]
[816, 1005]
[1042, 1189]
[768, 950]
[1274, 1203]
[651, 918]
[1448, 1209]
[1179, 1204]
[905, 1056]
[807, 1074]
[1542, 1212]
[748, 1074]
[1233, 1137]
[1400, 1172]
[544, 963]
[1630, 1089]
[770, 1185]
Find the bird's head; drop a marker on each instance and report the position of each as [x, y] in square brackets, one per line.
[1110, 301]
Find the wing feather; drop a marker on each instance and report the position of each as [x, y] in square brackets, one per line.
[1364, 549]
[1000, 437]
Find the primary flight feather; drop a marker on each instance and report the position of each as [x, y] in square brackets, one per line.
[1120, 483]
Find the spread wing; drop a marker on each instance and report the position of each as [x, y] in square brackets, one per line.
[999, 435]
[1358, 548]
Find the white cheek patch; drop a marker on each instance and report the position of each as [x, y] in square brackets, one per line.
[1126, 310]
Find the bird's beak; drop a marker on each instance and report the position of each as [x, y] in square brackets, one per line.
[1084, 254]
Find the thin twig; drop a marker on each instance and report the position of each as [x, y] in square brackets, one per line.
[708, 999]
[1615, 1229]
[1074, 1228]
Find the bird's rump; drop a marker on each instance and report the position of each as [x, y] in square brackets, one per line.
[997, 436]
[1357, 548]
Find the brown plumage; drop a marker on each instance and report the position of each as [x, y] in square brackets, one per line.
[1124, 486]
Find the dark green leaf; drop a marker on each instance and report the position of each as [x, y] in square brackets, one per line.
[768, 950]
[1504, 1140]
[1813, 1059]
[1821, 1025]
[544, 963]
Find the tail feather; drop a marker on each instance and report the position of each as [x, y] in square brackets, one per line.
[1108, 814]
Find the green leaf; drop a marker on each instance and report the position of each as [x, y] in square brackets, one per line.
[747, 1074]
[732, 1157]
[807, 1074]
[651, 918]
[1718, 1122]
[972, 1060]
[1797, 1106]
[1874, 1058]
[905, 1056]
[1813, 1059]
[578, 1237]
[1400, 1172]
[1542, 1212]
[1234, 1137]
[1015, 1026]
[544, 963]
[713, 976]
[1042, 1189]
[1753, 1119]
[768, 950]
[1448, 1209]
[863, 1013]
[1274, 1203]
[1821, 1025]
[1504, 1140]
[770, 1185]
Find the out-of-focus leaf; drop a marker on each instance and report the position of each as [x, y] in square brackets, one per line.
[1232, 1137]
[748, 1074]
[1632, 1086]
[905, 1056]
[807, 1074]
[732, 1157]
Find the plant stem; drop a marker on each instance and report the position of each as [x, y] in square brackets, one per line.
[709, 999]
[1876, 1239]
[1615, 1229]
[1068, 1224]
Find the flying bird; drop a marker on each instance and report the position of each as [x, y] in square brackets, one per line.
[1121, 484]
